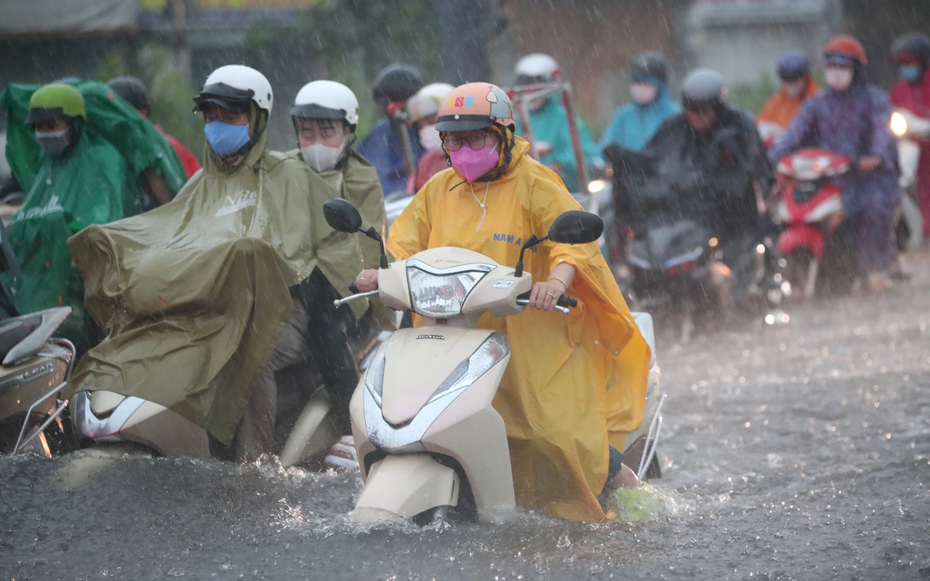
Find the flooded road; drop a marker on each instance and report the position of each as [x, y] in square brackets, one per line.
[789, 452]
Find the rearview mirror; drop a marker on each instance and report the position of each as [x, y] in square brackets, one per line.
[576, 227]
[342, 216]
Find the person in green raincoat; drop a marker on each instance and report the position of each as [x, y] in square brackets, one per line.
[206, 297]
[549, 122]
[74, 176]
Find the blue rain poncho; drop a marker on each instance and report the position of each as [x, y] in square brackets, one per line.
[550, 125]
[634, 125]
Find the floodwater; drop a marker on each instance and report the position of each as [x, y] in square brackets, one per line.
[798, 451]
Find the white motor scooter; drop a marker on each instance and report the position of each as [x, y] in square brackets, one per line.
[910, 130]
[307, 420]
[425, 430]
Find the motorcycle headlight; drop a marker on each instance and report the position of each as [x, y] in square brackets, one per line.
[441, 293]
[898, 124]
[489, 354]
[374, 379]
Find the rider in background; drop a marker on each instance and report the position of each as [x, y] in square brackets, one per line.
[325, 116]
[384, 145]
[852, 118]
[596, 359]
[422, 110]
[635, 123]
[133, 91]
[912, 92]
[550, 122]
[797, 86]
[711, 159]
[75, 176]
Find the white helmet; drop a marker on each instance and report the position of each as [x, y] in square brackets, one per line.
[427, 101]
[538, 68]
[236, 83]
[326, 100]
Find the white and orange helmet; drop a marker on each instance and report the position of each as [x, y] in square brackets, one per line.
[475, 106]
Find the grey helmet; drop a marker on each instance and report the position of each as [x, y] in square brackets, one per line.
[703, 90]
[649, 65]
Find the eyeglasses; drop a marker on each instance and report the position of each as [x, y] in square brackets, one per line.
[455, 141]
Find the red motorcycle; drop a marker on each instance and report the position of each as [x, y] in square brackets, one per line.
[811, 211]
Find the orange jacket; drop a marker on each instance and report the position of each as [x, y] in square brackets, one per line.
[782, 108]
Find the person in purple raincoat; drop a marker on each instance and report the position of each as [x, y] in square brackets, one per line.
[852, 118]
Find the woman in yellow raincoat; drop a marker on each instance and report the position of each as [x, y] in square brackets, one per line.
[574, 384]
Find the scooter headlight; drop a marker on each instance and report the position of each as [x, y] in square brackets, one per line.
[374, 378]
[494, 349]
[441, 293]
[898, 124]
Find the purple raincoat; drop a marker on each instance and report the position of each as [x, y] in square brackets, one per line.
[855, 123]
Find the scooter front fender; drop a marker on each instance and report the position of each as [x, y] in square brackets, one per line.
[405, 485]
[799, 236]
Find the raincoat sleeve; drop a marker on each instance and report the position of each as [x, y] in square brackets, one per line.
[369, 197]
[770, 111]
[594, 285]
[593, 282]
[563, 153]
[799, 129]
[410, 232]
[883, 144]
[614, 129]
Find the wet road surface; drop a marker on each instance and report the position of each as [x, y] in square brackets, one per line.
[789, 452]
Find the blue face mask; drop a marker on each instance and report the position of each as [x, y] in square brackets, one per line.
[226, 139]
[910, 73]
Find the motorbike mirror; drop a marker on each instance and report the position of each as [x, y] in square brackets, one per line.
[576, 227]
[342, 216]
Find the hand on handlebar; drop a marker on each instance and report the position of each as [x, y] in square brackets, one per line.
[869, 163]
[367, 280]
[545, 295]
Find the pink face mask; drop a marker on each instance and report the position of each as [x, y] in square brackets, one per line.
[473, 163]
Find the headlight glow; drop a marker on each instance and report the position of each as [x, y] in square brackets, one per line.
[898, 124]
[595, 186]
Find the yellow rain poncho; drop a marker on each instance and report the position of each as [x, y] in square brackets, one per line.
[573, 383]
[194, 294]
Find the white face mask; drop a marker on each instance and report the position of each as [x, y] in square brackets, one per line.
[643, 93]
[321, 157]
[795, 89]
[430, 139]
[839, 79]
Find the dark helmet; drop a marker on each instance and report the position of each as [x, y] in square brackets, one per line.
[793, 65]
[912, 46]
[397, 83]
[132, 90]
[649, 65]
[703, 90]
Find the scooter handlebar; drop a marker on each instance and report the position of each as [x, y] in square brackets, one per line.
[353, 288]
[567, 301]
[561, 305]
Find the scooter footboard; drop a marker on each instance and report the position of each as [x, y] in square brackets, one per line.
[405, 485]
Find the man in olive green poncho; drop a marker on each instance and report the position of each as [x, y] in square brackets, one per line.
[82, 157]
[197, 295]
